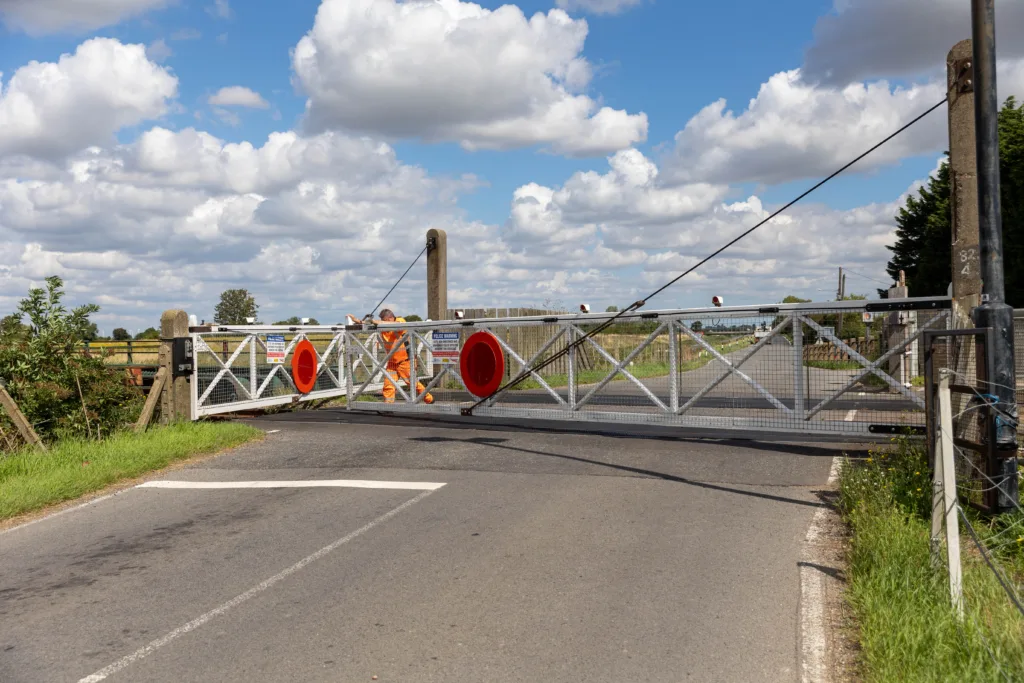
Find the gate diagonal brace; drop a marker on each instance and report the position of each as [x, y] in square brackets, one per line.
[869, 367]
[381, 367]
[323, 365]
[226, 370]
[733, 368]
[524, 365]
[620, 367]
[274, 370]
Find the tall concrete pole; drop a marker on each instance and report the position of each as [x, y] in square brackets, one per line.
[993, 311]
[963, 179]
[437, 274]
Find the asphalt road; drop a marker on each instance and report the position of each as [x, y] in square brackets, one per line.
[547, 555]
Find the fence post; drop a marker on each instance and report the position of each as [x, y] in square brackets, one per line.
[949, 497]
[176, 397]
[18, 418]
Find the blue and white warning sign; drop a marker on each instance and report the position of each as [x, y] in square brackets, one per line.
[275, 349]
[445, 347]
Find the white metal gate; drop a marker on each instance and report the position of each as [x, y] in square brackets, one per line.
[839, 367]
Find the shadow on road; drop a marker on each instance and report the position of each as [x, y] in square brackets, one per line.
[499, 443]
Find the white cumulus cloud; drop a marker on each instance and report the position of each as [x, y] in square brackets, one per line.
[450, 70]
[38, 17]
[865, 39]
[238, 96]
[51, 109]
[797, 129]
[598, 6]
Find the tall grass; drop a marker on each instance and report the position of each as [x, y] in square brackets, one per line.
[908, 630]
[31, 479]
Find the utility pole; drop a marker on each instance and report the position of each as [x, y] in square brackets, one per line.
[993, 311]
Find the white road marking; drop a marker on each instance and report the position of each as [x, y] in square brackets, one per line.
[308, 483]
[273, 431]
[152, 647]
[850, 415]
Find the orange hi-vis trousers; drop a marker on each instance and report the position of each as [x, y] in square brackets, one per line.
[400, 370]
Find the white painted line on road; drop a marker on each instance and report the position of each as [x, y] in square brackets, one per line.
[273, 431]
[147, 650]
[813, 639]
[850, 415]
[303, 484]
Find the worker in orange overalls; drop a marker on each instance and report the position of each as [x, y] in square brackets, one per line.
[398, 364]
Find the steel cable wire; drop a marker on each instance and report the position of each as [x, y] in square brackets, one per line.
[641, 302]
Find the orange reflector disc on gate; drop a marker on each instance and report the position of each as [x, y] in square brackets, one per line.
[304, 366]
[482, 364]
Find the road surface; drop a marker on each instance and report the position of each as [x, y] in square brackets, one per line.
[545, 556]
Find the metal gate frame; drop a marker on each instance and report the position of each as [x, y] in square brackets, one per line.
[796, 420]
[361, 363]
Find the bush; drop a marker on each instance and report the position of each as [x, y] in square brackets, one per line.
[62, 392]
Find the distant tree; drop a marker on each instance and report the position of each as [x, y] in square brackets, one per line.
[235, 306]
[121, 334]
[923, 234]
[413, 318]
[148, 333]
[296, 320]
[90, 332]
[697, 326]
[612, 309]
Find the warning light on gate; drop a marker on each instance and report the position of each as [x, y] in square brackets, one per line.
[717, 301]
[304, 366]
[482, 364]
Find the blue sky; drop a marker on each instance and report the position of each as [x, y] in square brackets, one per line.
[664, 60]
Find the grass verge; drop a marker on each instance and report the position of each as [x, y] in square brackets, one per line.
[908, 630]
[30, 480]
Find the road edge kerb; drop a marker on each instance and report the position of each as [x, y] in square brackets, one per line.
[812, 632]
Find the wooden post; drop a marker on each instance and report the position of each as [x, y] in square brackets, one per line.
[154, 397]
[437, 274]
[176, 397]
[19, 419]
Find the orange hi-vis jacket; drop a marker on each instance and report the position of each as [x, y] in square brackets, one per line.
[389, 338]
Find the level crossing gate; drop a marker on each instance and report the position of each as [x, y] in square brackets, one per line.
[847, 368]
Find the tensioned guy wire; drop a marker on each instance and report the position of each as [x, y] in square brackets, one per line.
[638, 304]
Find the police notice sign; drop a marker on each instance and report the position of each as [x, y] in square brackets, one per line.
[445, 347]
[275, 349]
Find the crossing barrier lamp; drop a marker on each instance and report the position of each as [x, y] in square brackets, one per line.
[584, 308]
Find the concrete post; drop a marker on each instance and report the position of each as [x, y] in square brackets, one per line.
[963, 205]
[963, 178]
[437, 274]
[176, 398]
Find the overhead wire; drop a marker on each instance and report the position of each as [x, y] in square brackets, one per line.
[397, 282]
[527, 372]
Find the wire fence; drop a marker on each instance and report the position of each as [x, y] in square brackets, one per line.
[995, 544]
